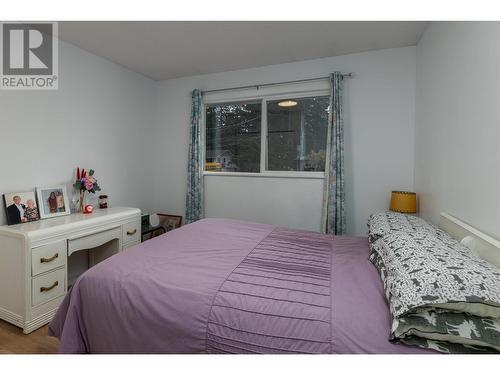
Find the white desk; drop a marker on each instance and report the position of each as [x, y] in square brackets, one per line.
[35, 259]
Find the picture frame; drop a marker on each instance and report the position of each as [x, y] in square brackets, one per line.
[53, 201]
[170, 222]
[167, 223]
[21, 207]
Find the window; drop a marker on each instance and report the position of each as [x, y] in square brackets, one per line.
[233, 137]
[296, 134]
[295, 129]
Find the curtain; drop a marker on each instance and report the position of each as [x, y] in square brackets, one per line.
[194, 194]
[334, 221]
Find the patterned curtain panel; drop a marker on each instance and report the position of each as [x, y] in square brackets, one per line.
[194, 195]
[334, 221]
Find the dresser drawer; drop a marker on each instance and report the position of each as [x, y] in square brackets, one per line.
[131, 232]
[47, 287]
[48, 257]
[130, 244]
[93, 240]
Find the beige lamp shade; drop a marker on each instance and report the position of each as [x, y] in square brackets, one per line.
[404, 201]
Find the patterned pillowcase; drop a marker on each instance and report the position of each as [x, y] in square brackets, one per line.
[441, 330]
[426, 271]
[388, 222]
[441, 295]
[444, 238]
[448, 332]
[379, 265]
[385, 223]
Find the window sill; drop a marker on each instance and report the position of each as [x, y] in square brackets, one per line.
[269, 174]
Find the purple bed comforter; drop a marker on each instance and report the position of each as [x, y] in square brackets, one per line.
[225, 286]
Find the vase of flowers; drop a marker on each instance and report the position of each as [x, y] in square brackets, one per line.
[85, 183]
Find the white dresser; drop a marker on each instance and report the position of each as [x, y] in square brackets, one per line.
[40, 260]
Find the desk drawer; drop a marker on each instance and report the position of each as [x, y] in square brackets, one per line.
[130, 244]
[48, 257]
[93, 240]
[47, 287]
[131, 232]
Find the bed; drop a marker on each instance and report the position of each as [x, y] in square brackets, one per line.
[226, 286]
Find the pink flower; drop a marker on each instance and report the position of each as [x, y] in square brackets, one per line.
[88, 185]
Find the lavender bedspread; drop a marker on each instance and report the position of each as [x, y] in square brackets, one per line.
[225, 286]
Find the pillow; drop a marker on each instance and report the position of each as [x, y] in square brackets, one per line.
[441, 295]
[439, 329]
[384, 223]
[448, 332]
[425, 271]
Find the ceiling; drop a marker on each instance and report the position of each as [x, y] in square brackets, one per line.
[164, 50]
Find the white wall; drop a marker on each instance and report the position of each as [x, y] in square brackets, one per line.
[101, 117]
[379, 134]
[294, 202]
[458, 123]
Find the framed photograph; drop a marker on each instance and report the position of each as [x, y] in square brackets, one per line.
[20, 207]
[52, 201]
[166, 223]
[170, 222]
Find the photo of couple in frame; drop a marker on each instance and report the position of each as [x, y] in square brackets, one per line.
[23, 207]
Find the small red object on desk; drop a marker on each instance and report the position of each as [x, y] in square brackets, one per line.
[88, 209]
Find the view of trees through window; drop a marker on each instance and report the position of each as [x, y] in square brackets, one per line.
[296, 135]
[233, 137]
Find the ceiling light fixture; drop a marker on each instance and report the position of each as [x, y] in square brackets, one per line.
[287, 103]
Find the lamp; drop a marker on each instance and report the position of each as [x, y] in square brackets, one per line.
[404, 201]
[287, 103]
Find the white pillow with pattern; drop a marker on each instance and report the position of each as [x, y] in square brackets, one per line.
[384, 223]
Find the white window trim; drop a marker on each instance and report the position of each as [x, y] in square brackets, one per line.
[273, 174]
[263, 98]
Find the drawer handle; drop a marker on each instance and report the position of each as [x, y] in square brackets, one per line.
[48, 260]
[46, 289]
[131, 232]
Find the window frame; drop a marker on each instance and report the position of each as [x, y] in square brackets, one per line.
[263, 98]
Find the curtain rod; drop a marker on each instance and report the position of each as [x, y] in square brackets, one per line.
[347, 75]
